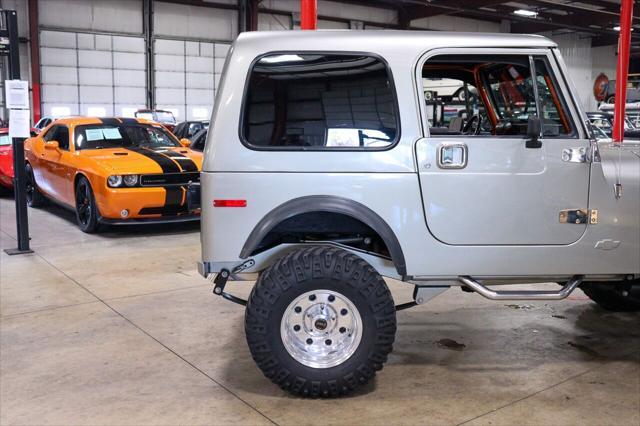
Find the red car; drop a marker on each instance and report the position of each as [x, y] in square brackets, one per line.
[6, 159]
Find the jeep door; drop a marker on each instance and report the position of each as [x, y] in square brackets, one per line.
[483, 180]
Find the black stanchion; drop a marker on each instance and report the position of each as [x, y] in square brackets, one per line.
[19, 184]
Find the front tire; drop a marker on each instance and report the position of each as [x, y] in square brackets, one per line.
[320, 322]
[86, 210]
[617, 297]
[34, 196]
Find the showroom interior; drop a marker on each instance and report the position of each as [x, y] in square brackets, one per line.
[110, 309]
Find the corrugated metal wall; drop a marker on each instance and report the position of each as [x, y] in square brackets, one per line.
[93, 53]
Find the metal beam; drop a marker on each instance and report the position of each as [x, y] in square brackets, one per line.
[149, 41]
[34, 47]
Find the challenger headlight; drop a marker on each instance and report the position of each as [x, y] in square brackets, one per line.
[114, 181]
[130, 180]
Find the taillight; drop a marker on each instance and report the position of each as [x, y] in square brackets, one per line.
[229, 203]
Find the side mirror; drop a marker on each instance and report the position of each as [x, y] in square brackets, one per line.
[51, 145]
[185, 142]
[534, 127]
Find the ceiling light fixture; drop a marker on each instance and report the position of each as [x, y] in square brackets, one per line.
[525, 12]
[617, 28]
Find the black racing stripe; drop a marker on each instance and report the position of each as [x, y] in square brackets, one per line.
[111, 121]
[173, 204]
[167, 164]
[185, 162]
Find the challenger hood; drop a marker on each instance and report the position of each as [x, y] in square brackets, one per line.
[145, 160]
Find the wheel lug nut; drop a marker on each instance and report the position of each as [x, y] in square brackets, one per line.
[332, 298]
[343, 330]
[298, 309]
[327, 342]
[309, 341]
[343, 311]
[312, 297]
[296, 327]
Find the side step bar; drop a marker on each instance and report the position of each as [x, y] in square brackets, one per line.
[522, 294]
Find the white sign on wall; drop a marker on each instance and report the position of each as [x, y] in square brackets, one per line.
[19, 123]
[16, 94]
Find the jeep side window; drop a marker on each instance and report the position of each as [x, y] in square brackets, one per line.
[319, 102]
[500, 100]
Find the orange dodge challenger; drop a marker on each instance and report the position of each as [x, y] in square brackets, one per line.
[112, 171]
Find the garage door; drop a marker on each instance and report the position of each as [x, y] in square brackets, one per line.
[92, 74]
[187, 76]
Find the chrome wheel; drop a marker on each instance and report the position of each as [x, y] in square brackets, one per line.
[321, 328]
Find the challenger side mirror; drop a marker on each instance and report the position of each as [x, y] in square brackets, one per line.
[534, 126]
[51, 145]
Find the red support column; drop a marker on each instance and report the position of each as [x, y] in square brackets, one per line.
[34, 47]
[622, 72]
[308, 14]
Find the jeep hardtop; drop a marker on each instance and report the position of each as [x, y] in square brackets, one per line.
[338, 158]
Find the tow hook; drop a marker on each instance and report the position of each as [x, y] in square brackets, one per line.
[218, 288]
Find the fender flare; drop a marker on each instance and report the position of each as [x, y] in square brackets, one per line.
[330, 204]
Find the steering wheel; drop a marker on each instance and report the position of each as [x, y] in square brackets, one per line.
[472, 127]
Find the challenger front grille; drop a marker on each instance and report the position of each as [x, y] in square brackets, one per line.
[169, 179]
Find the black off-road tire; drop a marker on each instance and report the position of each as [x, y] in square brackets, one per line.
[617, 297]
[86, 209]
[310, 269]
[34, 196]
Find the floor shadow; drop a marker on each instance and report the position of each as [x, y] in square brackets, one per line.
[452, 341]
[125, 231]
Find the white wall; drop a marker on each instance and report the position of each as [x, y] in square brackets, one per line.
[275, 22]
[604, 61]
[578, 56]
[455, 23]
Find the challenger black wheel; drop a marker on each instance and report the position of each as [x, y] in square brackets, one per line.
[86, 210]
[320, 322]
[34, 197]
[622, 296]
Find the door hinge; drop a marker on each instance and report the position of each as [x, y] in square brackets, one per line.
[579, 216]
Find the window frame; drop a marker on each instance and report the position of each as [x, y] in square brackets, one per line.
[54, 130]
[80, 127]
[562, 100]
[555, 68]
[244, 104]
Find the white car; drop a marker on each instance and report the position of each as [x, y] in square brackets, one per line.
[322, 175]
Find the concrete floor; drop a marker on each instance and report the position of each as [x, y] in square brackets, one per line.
[118, 328]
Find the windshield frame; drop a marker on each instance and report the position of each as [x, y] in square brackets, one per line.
[160, 128]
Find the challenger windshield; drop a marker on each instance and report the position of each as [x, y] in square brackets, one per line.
[97, 136]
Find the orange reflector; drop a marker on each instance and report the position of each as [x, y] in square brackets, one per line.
[229, 203]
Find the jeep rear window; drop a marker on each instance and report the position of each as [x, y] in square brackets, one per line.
[319, 102]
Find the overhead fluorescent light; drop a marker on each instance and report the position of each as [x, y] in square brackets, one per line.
[617, 28]
[525, 12]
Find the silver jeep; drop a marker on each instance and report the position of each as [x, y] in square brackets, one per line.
[438, 159]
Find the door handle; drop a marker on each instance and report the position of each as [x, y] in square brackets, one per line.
[452, 156]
